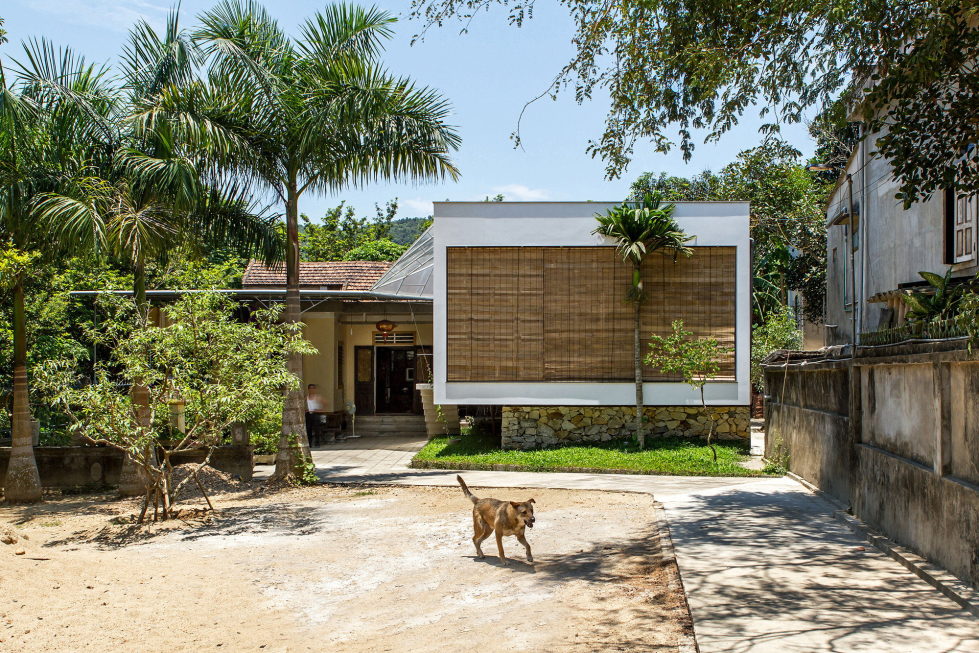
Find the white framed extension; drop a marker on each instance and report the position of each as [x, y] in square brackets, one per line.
[557, 224]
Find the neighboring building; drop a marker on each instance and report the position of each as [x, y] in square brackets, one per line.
[530, 314]
[890, 246]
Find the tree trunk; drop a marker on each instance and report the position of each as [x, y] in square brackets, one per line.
[293, 445]
[710, 432]
[637, 360]
[22, 483]
[133, 480]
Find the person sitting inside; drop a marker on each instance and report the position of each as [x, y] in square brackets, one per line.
[315, 415]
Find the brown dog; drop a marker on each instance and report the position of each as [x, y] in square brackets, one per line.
[504, 517]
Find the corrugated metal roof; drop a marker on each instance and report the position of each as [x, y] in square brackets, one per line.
[412, 274]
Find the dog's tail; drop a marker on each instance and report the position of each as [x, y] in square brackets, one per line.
[465, 489]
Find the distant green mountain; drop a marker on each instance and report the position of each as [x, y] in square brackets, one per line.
[405, 231]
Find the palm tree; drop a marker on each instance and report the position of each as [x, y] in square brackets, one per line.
[40, 146]
[142, 193]
[313, 114]
[639, 229]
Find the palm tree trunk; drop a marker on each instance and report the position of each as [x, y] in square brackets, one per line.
[133, 480]
[22, 483]
[637, 361]
[293, 445]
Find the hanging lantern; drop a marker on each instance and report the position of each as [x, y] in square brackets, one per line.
[385, 327]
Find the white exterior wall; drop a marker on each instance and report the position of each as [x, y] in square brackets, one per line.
[569, 224]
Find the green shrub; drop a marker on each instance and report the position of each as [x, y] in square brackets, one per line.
[779, 331]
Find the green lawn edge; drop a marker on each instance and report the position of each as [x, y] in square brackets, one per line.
[431, 457]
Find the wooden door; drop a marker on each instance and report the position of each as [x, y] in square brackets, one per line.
[364, 380]
[394, 379]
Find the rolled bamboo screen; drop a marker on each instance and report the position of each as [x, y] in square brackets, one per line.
[559, 313]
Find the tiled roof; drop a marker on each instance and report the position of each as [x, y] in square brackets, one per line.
[326, 275]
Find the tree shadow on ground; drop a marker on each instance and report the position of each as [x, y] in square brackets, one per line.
[768, 568]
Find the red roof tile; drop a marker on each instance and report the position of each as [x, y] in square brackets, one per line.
[326, 275]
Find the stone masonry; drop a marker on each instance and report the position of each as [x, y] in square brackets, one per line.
[536, 427]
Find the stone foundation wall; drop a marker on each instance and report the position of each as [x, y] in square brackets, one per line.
[535, 427]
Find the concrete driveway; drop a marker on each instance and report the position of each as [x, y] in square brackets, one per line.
[765, 565]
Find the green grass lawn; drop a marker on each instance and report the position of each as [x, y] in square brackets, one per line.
[671, 456]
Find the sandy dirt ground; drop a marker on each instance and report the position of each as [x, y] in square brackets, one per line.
[339, 569]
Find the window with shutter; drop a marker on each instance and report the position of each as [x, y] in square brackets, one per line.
[965, 228]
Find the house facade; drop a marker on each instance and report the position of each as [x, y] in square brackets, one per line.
[530, 314]
[874, 258]
[371, 324]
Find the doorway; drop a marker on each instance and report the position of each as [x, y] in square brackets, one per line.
[394, 379]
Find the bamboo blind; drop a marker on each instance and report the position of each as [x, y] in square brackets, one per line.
[559, 313]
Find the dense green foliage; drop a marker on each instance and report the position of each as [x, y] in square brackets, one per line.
[674, 71]
[405, 231]
[668, 456]
[342, 236]
[779, 331]
[787, 221]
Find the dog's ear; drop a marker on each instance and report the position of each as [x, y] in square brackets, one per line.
[515, 504]
[531, 501]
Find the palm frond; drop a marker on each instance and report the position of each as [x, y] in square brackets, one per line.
[344, 31]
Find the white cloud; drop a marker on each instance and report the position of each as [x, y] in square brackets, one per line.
[521, 193]
[421, 208]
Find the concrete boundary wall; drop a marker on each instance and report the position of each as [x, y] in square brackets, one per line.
[893, 433]
[63, 468]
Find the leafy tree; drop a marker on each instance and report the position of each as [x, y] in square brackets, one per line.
[787, 226]
[779, 331]
[406, 231]
[697, 361]
[222, 369]
[640, 229]
[675, 70]
[376, 250]
[787, 221]
[341, 231]
[312, 114]
[703, 187]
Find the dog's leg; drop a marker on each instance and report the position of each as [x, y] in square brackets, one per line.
[499, 545]
[481, 530]
[526, 545]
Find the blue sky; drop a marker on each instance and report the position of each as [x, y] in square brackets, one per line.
[488, 74]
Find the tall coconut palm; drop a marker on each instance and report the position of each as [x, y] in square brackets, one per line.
[640, 229]
[142, 192]
[308, 115]
[41, 144]
[145, 192]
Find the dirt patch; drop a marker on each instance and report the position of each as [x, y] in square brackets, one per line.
[343, 569]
